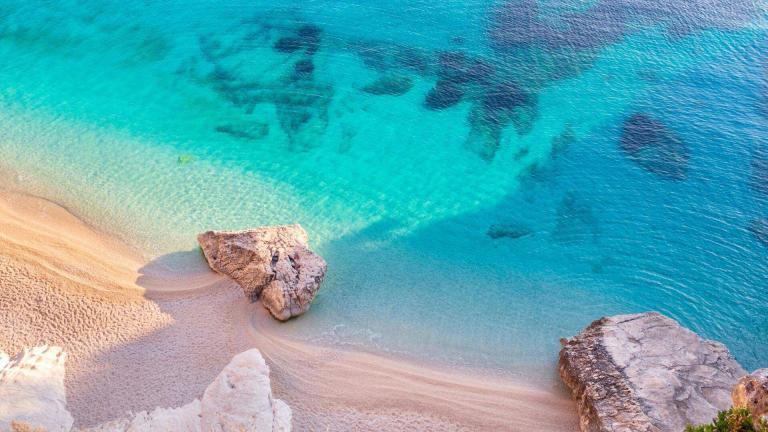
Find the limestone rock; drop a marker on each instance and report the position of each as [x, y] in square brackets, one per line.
[32, 392]
[240, 399]
[182, 419]
[646, 373]
[272, 262]
[751, 392]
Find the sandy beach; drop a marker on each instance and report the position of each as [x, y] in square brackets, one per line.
[140, 335]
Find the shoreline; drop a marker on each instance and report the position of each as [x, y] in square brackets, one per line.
[140, 337]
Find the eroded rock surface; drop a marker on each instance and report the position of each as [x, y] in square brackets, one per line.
[32, 398]
[240, 399]
[646, 373]
[32, 392]
[751, 392]
[272, 262]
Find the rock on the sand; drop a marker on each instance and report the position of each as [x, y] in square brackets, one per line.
[32, 392]
[32, 397]
[274, 263]
[182, 419]
[644, 372]
[240, 399]
[751, 392]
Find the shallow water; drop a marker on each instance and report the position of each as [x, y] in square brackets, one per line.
[482, 177]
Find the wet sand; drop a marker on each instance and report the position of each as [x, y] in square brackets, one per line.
[142, 334]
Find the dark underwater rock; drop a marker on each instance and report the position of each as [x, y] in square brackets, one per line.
[500, 100]
[307, 37]
[759, 229]
[519, 24]
[652, 146]
[458, 68]
[303, 69]
[411, 59]
[247, 131]
[758, 176]
[310, 36]
[484, 138]
[576, 221]
[288, 44]
[394, 85]
[309, 32]
[443, 95]
[511, 231]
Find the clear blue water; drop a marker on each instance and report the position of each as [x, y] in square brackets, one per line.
[483, 177]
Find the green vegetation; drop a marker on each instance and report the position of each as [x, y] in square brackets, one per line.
[732, 420]
[185, 159]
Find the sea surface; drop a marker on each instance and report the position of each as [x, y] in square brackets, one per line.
[483, 177]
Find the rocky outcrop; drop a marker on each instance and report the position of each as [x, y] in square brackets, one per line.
[273, 263]
[646, 373]
[32, 398]
[751, 392]
[654, 147]
[32, 393]
[246, 378]
[238, 400]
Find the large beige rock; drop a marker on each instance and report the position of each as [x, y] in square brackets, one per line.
[32, 393]
[644, 372]
[751, 392]
[240, 399]
[272, 262]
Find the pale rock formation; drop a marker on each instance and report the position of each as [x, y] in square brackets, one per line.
[32, 393]
[32, 398]
[240, 399]
[182, 419]
[646, 373]
[751, 392]
[272, 262]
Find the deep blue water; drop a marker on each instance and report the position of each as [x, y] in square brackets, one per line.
[483, 177]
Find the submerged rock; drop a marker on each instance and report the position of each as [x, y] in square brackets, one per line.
[32, 392]
[649, 143]
[245, 130]
[303, 69]
[512, 231]
[646, 373]
[272, 262]
[759, 229]
[393, 85]
[576, 221]
[758, 177]
[751, 392]
[288, 44]
[443, 95]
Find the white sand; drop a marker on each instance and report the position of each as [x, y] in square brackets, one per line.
[139, 336]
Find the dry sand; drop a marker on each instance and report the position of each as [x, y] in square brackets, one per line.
[141, 335]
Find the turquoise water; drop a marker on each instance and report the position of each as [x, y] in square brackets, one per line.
[482, 177]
